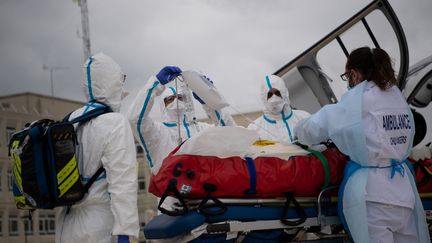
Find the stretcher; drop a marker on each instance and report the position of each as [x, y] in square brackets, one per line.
[260, 219]
[203, 214]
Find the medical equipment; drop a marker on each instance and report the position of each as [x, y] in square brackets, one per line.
[202, 86]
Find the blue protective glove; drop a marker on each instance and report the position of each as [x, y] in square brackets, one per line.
[167, 74]
[196, 96]
[122, 239]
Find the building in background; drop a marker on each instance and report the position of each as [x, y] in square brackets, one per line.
[15, 226]
[15, 112]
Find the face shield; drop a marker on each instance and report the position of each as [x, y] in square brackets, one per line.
[172, 105]
[175, 105]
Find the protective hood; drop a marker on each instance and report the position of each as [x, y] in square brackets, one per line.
[274, 105]
[103, 80]
[185, 107]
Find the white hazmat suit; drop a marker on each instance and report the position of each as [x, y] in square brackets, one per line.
[376, 129]
[278, 121]
[159, 138]
[110, 208]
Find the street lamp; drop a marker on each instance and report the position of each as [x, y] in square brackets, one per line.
[51, 69]
[25, 220]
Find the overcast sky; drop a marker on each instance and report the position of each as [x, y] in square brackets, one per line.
[235, 42]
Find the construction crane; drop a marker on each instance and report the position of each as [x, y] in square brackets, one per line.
[85, 35]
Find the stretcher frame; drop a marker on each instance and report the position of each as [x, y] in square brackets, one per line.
[321, 223]
[233, 226]
[313, 228]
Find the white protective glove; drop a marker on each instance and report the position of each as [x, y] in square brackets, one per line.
[421, 153]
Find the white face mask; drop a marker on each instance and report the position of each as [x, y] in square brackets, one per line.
[173, 109]
[275, 104]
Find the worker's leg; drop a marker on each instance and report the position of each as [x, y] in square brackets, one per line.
[407, 231]
[380, 217]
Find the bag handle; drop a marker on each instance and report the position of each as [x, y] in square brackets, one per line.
[299, 210]
[207, 209]
[172, 187]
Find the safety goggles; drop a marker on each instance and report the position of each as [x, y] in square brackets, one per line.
[272, 92]
[346, 76]
[171, 98]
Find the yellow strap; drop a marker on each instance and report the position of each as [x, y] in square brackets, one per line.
[17, 175]
[17, 161]
[16, 158]
[70, 166]
[20, 202]
[428, 169]
[69, 182]
[426, 195]
[15, 144]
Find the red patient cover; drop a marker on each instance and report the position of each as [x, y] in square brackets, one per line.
[301, 175]
[423, 175]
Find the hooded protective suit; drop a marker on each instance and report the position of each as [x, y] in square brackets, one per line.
[159, 138]
[278, 121]
[110, 208]
[375, 129]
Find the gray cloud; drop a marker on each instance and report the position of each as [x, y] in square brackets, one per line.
[235, 42]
